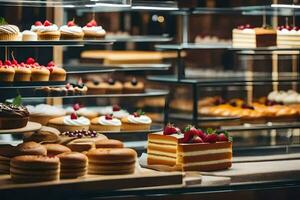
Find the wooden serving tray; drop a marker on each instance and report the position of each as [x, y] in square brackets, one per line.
[92, 183]
[31, 126]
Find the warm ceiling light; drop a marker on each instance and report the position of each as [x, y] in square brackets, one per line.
[285, 6]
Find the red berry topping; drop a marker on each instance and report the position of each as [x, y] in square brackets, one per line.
[30, 61]
[71, 23]
[38, 23]
[7, 62]
[1, 63]
[51, 64]
[197, 139]
[170, 129]
[22, 64]
[89, 25]
[50, 69]
[47, 23]
[108, 117]
[76, 106]
[222, 137]
[135, 114]
[68, 85]
[187, 137]
[211, 138]
[93, 22]
[116, 108]
[14, 62]
[74, 115]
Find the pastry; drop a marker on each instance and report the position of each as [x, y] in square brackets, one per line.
[72, 164]
[118, 112]
[106, 123]
[93, 31]
[82, 144]
[42, 91]
[56, 73]
[6, 153]
[30, 148]
[13, 116]
[40, 74]
[109, 144]
[70, 89]
[70, 123]
[29, 36]
[136, 121]
[71, 31]
[8, 32]
[85, 112]
[42, 113]
[33, 168]
[288, 36]
[111, 161]
[58, 91]
[7, 72]
[48, 31]
[4, 165]
[114, 87]
[247, 36]
[44, 135]
[22, 73]
[55, 149]
[79, 88]
[96, 87]
[67, 137]
[193, 150]
[133, 86]
[38, 25]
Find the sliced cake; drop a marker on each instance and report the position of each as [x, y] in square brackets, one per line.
[192, 150]
[288, 36]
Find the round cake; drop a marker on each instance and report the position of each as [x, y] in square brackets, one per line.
[12, 116]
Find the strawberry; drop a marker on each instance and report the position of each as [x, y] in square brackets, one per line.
[89, 25]
[74, 116]
[7, 62]
[38, 23]
[51, 64]
[71, 23]
[135, 114]
[1, 63]
[30, 61]
[93, 22]
[170, 129]
[222, 137]
[116, 108]
[14, 62]
[211, 138]
[50, 69]
[187, 137]
[108, 117]
[76, 106]
[68, 85]
[22, 64]
[197, 139]
[47, 23]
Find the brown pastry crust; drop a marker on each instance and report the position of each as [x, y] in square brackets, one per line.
[30, 148]
[110, 143]
[7, 74]
[53, 35]
[40, 74]
[22, 74]
[55, 149]
[57, 74]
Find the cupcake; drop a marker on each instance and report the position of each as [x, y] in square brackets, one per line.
[22, 73]
[48, 31]
[40, 73]
[85, 112]
[79, 88]
[133, 86]
[13, 116]
[29, 36]
[136, 121]
[114, 87]
[118, 112]
[70, 89]
[7, 72]
[93, 31]
[106, 123]
[96, 87]
[71, 31]
[56, 73]
[42, 113]
[70, 123]
[9, 32]
[38, 25]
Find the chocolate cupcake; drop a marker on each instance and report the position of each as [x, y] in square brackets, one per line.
[12, 116]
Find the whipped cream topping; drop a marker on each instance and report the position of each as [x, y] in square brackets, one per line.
[27, 32]
[71, 29]
[81, 111]
[9, 29]
[120, 114]
[45, 110]
[105, 110]
[35, 28]
[80, 121]
[50, 28]
[248, 30]
[109, 122]
[143, 119]
[287, 31]
[94, 29]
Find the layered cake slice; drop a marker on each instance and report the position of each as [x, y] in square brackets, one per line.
[249, 37]
[288, 36]
[193, 150]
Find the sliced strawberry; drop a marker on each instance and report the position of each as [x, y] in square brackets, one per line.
[197, 139]
[116, 108]
[170, 129]
[30, 61]
[89, 25]
[7, 62]
[47, 23]
[38, 23]
[76, 106]
[211, 138]
[51, 64]
[74, 116]
[108, 117]
[222, 137]
[187, 137]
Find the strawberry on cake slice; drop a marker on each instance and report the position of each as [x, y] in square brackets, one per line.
[191, 149]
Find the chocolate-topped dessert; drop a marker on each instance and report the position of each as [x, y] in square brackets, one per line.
[13, 116]
[134, 86]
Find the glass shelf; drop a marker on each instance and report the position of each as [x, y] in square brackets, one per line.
[140, 38]
[267, 126]
[50, 43]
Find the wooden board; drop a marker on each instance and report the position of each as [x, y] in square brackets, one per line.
[31, 126]
[91, 183]
[261, 171]
[287, 156]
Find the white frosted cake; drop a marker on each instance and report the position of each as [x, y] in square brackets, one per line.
[288, 36]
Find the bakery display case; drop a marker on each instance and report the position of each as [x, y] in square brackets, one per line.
[222, 115]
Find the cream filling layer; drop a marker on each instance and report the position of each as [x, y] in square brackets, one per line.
[205, 152]
[162, 153]
[213, 162]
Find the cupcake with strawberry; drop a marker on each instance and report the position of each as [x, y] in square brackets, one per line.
[93, 31]
[137, 121]
[48, 31]
[22, 72]
[71, 31]
[37, 26]
[56, 73]
[7, 72]
[38, 72]
[106, 123]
